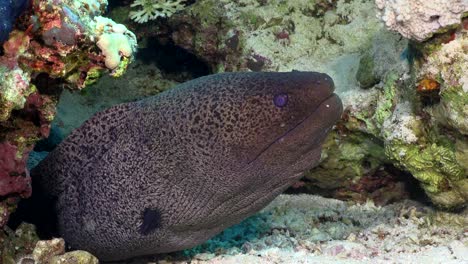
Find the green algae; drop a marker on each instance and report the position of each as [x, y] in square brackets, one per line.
[386, 101]
[434, 165]
[208, 13]
[455, 100]
[94, 74]
[118, 72]
[347, 159]
[381, 108]
[253, 20]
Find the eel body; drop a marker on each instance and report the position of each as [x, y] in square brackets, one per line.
[169, 172]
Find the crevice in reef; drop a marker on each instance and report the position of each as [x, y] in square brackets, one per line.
[175, 62]
[38, 210]
[385, 186]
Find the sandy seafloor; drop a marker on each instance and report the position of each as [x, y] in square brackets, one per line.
[311, 229]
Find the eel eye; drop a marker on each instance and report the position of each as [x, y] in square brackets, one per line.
[280, 100]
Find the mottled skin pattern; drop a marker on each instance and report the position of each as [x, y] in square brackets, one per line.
[169, 172]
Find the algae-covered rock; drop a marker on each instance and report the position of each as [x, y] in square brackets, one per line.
[447, 64]
[346, 159]
[46, 249]
[74, 257]
[366, 76]
[275, 35]
[23, 246]
[436, 167]
[52, 46]
[18, 244]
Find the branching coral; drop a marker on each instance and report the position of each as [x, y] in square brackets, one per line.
[152, 9]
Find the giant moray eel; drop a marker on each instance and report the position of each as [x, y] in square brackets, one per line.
[171, 171]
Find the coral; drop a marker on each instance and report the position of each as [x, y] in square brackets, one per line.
[14, 89]
[16, 245]
[152, 9]
[448, 63]
[57, 47]
[14, 178]
[233, 36]
[65, 27]
[365, 74]
[9, 11]
[74, 257]
[24, 246]
[416, 146]
[434, 165]
[116, 42]
[345, 160]
[453, 109]
[403, 125]
[426, 137]
[420, 19]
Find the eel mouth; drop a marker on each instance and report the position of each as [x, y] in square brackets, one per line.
[329, 111]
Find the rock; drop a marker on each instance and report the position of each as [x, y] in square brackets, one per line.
[74, 257]
[46, 249]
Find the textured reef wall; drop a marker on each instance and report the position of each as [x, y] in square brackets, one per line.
[405, 98]
[52, 46]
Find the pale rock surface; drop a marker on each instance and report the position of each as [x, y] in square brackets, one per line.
[419, 19]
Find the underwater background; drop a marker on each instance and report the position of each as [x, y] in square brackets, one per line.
[393, 176]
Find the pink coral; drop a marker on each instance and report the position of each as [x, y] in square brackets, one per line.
[52, 44]
[14, 178]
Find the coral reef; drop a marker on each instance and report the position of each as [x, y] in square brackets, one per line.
[152, 9]
[426, 136]
[274, 35]
[420, 19]
[51, 47]
[406, 109]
